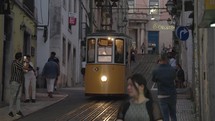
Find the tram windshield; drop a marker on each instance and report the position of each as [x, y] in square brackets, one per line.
[91, 50]
[105, 48]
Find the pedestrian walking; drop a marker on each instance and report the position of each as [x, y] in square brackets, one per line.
[142, 47]
[16, 80]
[164, 75]
[30, 81]
[133, 52]
[55, 59]
[180, 76]
[50, 73]
[140, 107]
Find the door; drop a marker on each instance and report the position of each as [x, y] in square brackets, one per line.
[153, 42]
[7, 57]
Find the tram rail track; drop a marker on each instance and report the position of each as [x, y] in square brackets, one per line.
[106, 110]
[93, 111]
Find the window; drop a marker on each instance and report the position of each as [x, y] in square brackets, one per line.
[154, 4]
[91, 50]
[105, 48]
[29, 4]
[131, 6]
[119, 51]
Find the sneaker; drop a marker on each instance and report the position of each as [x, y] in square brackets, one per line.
[11, 114]
[19, 114]
[27, 101]
[33, 100]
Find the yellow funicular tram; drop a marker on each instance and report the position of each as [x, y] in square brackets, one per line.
[106, 57]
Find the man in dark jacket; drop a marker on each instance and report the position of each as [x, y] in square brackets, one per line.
[50, 73]
[56, 60]
[164, 75]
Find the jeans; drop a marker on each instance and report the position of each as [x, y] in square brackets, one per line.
[168, 108]
[15, 95]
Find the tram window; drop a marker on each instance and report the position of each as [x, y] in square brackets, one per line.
[119, 51]
[105, 48]
[91, 51]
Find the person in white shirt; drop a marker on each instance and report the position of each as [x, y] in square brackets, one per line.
[30, 78]
[172, 61]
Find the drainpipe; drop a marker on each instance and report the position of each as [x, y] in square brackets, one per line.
[196, 84]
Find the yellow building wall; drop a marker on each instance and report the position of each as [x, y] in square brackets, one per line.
[19, 17]
[18, 35]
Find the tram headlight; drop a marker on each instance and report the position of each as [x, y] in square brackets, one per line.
[103, 78]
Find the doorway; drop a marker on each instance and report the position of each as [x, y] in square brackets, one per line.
[26, 44]
[153, 42]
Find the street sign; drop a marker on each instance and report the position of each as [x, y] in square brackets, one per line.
[182, 33]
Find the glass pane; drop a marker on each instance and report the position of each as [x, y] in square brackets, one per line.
[104, 58]
[105, 48]
[119, 51]
[91, 50]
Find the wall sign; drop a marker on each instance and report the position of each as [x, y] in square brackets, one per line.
[72, 19]
[157, 26]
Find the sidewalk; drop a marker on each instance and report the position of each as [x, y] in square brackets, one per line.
[42, 101]
[185, 107]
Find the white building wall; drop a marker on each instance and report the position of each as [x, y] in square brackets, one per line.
[70, 71]
[187, 47]
[43, 48]
[57, 30]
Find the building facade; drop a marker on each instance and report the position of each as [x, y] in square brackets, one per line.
[63, 28]
[204, 59]
[109, 15]
[18, 30]
[197, 53]
[148, 24]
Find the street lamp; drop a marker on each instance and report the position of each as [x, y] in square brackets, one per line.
[170, 6]
[171, 21]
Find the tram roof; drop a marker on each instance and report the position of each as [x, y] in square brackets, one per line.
[108, 33]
